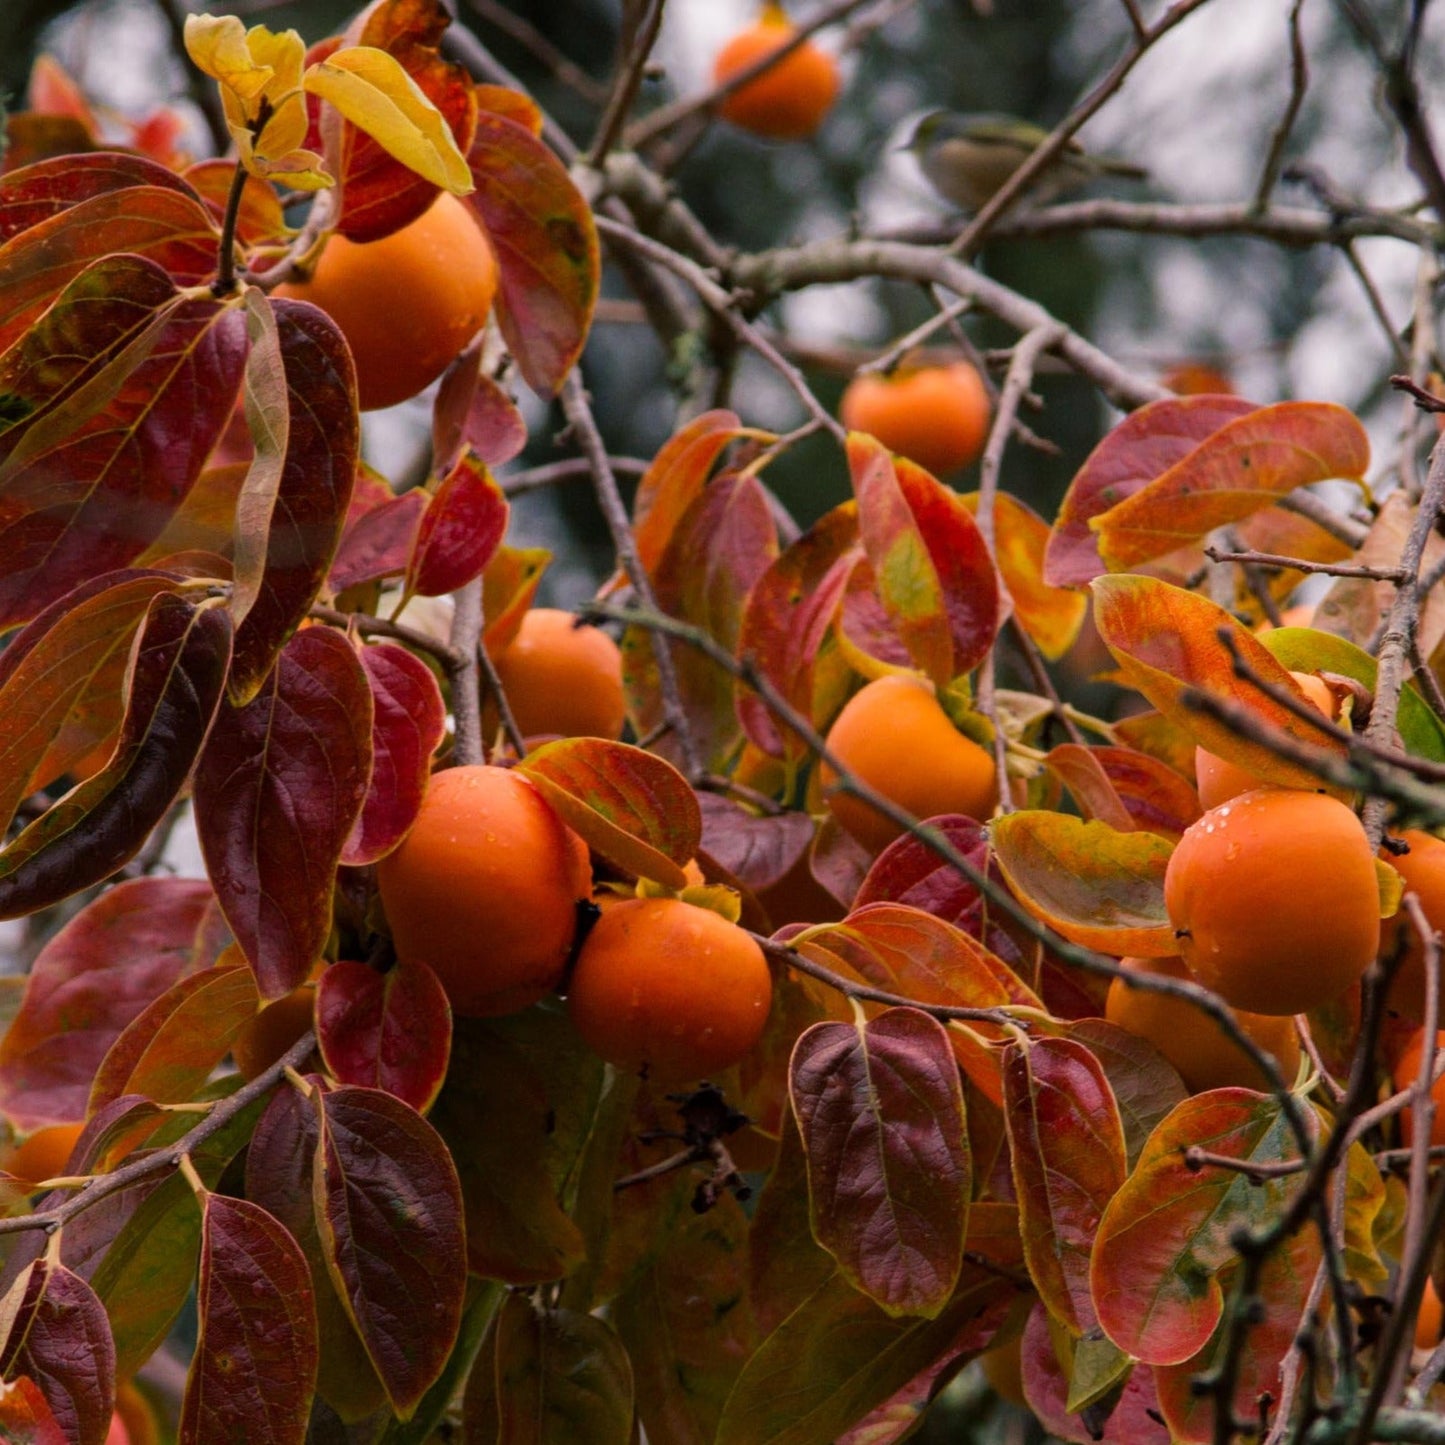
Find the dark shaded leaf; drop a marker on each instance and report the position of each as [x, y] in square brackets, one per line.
[69, 1353]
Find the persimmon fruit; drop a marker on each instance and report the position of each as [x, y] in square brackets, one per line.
[406, 303]
[1423, 872]
[1274, 899]
[1204, 1056]
[484, 889]
[43, 1154]
[936, 416]
[671, 987]
[1218, 779]
[563, 679]
[894, 736]
[1405, 1072]
[787, 101]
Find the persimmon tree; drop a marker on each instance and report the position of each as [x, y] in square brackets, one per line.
[409, 1226]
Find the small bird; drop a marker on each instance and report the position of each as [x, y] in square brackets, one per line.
[968, 158]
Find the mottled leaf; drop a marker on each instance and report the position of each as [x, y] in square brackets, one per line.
[34, 193]
[1167, 641]
[176, 678]
[1145, 1086]
[390, 1031]
[1166, 1234]
[1097, 887]
[460, 530]
[880, 1109]
[931, 566]
[548, 1377]
[472, 410]
[278, 790]
[390, 1212]
[545, 242]
[633, 808]
[408, 722]
[292, 508]
[171, 1049]
[1125, 788]
[1143, 446]
[1244, 466]
[1066, 1142]
[254, 1368]
[88, 982]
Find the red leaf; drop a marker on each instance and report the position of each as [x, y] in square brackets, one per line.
[89, 483]
[1143, 446]
[34, 193]
[628, 805]
[377, 536]
[88, 983]
[260, 219]
[390, 1031]
[254, 1369]
[408, 722]
[545, 242]
[1067, 1146]
[1241, 468]
[757, 850]
[62, 679]
[460, 530]
[880, 1108]
[1126, 789]
[390, 1211]
[472, 410]
[294, 502]
[788, 614]
[176, 678]
[26, 1418]
[278, 790]
[69, 1353]
[172, 1048]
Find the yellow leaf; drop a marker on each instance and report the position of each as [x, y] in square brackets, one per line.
[375, 93]
[219, 46]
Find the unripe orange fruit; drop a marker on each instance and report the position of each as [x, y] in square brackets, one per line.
[1219, 780]
[484, 890]
[43, 1154]
[663, 984]
[1423, 869]
[407, 303]
[1406, 1071]
[789, 100]
[936, 416]
[563, 678]
[1274, 899]
[1204, 1055]
[895, 736]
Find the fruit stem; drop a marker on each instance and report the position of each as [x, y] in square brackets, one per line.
[225, 282]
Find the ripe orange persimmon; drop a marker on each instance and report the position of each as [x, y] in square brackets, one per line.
[484, 889]
[1274, 900]
[563, 678]
[43, 1154]
[936, 416]
[1204, 1055]
[1219, 780]
[895, 736]
[1405, 1072]
[1423, 869]
[789, 100]
[407, 303]
[663, 984]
